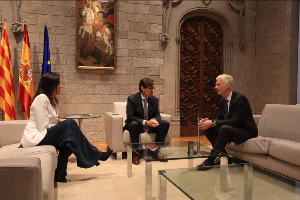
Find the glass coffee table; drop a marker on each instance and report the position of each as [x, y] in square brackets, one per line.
[235, 182]
[163, 152]
[80, 117]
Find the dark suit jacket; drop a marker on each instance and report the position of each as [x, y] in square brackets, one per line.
[135, 110]
[240, 114]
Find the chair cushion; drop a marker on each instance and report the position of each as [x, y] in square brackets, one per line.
[12, 151]
[253, 145]
[285, 150]
[280, 121]
[144, 137]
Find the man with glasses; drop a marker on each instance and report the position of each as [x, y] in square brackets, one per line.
[143, 115]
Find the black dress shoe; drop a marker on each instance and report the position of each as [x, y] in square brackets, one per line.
[206, 165]
[218, 161]
[106, 155]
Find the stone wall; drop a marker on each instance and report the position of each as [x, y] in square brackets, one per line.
[267, 71]
[248, 57]
[276, 52]
[93, 91]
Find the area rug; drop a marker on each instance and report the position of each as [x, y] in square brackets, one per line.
[109, 181]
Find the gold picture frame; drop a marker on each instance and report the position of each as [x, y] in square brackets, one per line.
[96, 34]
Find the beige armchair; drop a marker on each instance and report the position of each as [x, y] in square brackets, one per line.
[116, 139]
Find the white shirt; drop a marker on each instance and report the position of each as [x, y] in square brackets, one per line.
[229, 99]
[42, 117]
[144, 122]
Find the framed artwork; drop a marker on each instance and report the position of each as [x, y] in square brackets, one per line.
[96, 34]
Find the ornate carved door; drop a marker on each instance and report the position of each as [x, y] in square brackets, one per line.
[201, 61]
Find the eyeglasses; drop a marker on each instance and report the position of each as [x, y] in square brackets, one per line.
[151, 88]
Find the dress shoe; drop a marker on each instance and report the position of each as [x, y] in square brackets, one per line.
[106, 155]
[135, 159]
[218, 161]
[206, 165]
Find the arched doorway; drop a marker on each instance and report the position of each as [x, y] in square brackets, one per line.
[201, 61]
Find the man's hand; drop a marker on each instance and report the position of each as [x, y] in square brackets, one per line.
[204, 124]
[152, 147]
[203, 120]
[153, 123]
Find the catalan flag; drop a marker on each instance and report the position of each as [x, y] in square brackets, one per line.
[26, 85]
[46, 67]
[7, 95]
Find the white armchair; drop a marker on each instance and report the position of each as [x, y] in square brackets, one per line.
[114, 122]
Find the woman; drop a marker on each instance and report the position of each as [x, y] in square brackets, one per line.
[44, 128]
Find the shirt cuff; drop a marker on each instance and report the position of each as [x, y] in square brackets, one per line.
[144, 123]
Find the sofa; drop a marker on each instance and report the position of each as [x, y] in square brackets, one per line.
[277, 146]
[25, 173]
[116, 139]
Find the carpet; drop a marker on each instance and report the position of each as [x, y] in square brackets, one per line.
[109, 181]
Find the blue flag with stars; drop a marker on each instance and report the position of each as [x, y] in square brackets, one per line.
[46, 67]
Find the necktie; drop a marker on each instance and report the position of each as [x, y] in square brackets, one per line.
[146, 129]
[225, 112]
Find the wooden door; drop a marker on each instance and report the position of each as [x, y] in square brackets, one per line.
[201, 61]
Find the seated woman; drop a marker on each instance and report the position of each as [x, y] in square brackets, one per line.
[44, 128]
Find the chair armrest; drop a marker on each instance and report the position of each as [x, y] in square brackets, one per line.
[114, 132]
[256, 118]
[11, 131]
[21, 178]
[167, 118]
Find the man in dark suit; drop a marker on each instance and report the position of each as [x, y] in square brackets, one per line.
[143, 115]
[234, 122]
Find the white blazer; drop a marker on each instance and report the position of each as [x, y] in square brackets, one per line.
[42, 117]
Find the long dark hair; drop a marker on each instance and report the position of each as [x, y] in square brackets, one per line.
[48, 83]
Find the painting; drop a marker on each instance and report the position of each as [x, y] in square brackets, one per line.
[96, 34]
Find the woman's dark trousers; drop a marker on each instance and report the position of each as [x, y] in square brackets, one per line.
[67, 138]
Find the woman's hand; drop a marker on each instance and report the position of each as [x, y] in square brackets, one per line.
[60, 120]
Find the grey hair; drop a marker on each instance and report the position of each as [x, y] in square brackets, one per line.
[227, 79]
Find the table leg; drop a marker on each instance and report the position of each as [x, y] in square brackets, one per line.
[224, 174]
[148, 181]
[297, 191]
[190, 154]
[129, 161]
[198, 142]
[248, 182]
[79, 122]
[162, 187]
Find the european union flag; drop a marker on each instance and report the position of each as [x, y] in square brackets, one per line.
[46, 67]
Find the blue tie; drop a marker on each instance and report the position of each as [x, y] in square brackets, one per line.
[225, 112]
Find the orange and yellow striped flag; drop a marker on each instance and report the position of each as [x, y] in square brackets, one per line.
[7, 95]
[26, 85]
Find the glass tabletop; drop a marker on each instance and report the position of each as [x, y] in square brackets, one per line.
[79, 116]
[206, 185]
[171, 150]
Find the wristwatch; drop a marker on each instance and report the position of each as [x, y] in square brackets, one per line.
[213, 123]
